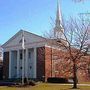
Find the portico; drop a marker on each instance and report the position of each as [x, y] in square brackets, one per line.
[15, 63]
[18, 65]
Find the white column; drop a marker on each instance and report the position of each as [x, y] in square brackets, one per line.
[17, 63]
[34, 64]
[23, 68]
[10, 64]
[26, 64]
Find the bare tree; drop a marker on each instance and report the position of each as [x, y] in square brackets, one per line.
[76, 39]
[74, 42]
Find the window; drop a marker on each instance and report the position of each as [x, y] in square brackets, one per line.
[30, 67]
[29, 55]
[15, 67]
[20, 67]
[21, 41]
[21, 56]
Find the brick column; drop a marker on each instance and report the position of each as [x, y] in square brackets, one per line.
[5, 65]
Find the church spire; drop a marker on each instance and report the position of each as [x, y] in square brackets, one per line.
[58, 15]
[58, 23]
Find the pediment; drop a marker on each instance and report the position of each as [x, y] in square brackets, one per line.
[17, 39]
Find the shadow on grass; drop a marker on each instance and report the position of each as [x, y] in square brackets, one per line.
[13, 84]
[74, 88]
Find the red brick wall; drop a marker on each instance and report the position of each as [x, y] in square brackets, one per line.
[6, 65]
[48, 63]
[83, 72]
[63, 66]
[40, 63]
[43, 63]
[58, 64]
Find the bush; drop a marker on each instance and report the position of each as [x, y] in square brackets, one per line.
[7, 83]
[57, 80]
[32, 83]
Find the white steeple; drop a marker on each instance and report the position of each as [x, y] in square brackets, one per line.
[58, 15]
[58, 23]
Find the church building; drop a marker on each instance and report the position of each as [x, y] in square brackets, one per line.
[32, 56]
[37, 53]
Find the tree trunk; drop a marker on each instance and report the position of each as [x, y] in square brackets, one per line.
[74, 75]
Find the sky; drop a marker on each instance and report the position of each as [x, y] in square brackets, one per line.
[34, 15]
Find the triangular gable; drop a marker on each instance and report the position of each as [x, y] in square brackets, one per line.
[29, 38]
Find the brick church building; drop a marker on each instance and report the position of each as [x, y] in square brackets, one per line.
[41, 59]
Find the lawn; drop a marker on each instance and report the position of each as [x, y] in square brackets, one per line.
[46, 86]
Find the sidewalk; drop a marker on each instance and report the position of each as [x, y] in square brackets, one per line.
[77, 84]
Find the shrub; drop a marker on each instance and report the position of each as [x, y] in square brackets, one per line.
[57, 80]
[32, 83]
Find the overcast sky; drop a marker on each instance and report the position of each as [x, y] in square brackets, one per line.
[34, 15]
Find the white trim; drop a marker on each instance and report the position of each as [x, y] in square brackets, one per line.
[34, 64]
[17, 63]
[30, 45]
[10, 64]
[54, 47]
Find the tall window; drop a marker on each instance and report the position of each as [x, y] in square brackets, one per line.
[29, 55]
[21, 56]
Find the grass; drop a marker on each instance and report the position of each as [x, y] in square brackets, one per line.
[46, 86]
[7, 88]
[85, 83]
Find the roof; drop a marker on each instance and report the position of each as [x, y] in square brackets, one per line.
[21, 31]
